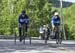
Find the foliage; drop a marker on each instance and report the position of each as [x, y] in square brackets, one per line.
[38, 11]
[69, 18]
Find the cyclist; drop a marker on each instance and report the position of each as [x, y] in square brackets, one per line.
[48, 31]
[45, 29]
[23, 20]
[41, 32]
[55, 21]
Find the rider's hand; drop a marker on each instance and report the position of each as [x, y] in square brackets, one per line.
[21, 20]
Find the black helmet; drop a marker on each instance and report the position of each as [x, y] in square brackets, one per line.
[23, 12]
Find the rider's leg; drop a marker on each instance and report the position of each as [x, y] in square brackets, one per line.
[53, 29]
[59, 30]
[26, 28]
[20, 31]
[20, 34]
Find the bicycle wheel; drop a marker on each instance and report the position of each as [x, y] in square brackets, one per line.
[15, 37]
[30, 40]
[24, 36]
[60, 36]
[46, 38]
[57, 37]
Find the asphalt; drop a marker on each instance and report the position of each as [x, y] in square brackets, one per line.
[36, 46]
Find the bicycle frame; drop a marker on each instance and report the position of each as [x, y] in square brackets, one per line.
[23, 29]
[46, 35]
[24, 34]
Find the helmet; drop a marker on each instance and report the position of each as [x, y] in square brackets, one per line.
[44, 25]
[56, 13]
[23, 12]
[47, 25]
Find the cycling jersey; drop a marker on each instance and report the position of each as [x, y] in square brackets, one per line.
[55, 21]
[23, 20]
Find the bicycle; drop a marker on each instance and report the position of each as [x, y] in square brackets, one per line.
[58, 35]
[24, 33]
[46, 35]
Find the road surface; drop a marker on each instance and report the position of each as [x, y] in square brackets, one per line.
[37, 46]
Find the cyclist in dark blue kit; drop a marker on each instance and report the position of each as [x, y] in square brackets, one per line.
[55, 21]
[23, 20]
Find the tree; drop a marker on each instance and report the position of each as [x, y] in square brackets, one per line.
[39, 12]
[69, 15]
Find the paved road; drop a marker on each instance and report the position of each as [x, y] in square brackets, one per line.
[37, 46]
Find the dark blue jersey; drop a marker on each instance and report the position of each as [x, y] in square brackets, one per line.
[23, 20]
[55, 21]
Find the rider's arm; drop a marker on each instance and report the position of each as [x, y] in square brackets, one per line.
[26, 20]
[20, 21]
[52, 22]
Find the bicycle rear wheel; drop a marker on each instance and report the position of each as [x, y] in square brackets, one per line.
[45, 39]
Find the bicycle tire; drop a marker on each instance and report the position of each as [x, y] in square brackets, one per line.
[15, 37]
[57, 37]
